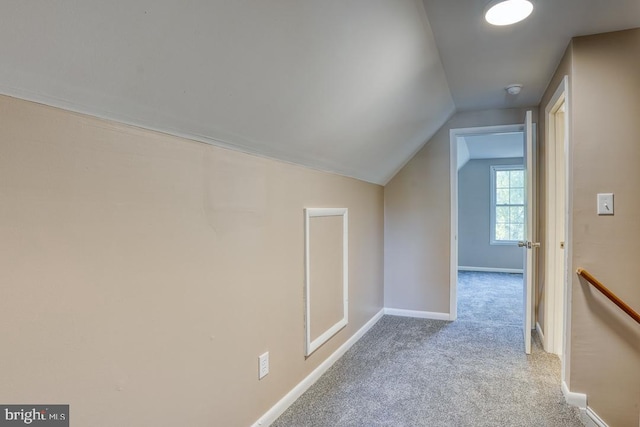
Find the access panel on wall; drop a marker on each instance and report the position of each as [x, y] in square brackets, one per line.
[326, 274]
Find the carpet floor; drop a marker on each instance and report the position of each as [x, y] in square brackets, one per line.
[416, 372]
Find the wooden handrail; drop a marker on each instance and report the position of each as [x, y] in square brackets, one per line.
[614, 299]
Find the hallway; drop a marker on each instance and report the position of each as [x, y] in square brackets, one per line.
[417, 372]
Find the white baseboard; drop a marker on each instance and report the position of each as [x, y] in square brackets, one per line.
[574, 399]
[418, 314]
[491, 269]
[592, 419]
[272, 414]
[589, 417]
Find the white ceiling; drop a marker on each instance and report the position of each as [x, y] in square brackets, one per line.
[480, 59]
[490, 146]
[350, 87]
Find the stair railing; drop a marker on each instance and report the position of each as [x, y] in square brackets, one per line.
[606, 292]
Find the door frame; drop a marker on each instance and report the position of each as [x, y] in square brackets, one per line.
[558, 299]
[453, 179]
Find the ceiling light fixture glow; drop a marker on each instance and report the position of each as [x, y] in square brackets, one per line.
[507, 12]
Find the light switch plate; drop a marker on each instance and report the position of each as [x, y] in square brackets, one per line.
[605, 203]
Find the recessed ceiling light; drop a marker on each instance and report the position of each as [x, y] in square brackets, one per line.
[507, 12]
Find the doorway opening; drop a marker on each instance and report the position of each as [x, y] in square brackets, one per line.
[490, 224]
[495, 214]
[491, 220]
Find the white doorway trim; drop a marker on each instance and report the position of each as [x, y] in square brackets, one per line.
[453, 179]
[557, 322]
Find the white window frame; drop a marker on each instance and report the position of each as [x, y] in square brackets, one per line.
[492, 206]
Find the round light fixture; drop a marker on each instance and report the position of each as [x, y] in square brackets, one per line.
[513, 89]
[507, 12]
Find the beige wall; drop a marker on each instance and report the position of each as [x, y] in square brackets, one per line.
[326, 301]
[604, 106]
[143, 274]
[605, 344]
[417, 219]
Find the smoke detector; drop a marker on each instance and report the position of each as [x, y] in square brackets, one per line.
[513, 89]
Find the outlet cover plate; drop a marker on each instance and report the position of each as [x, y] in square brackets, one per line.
[263, 365]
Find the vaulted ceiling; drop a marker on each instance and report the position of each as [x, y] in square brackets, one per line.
[353, 87]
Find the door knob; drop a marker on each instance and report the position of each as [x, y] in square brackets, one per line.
[527, 244]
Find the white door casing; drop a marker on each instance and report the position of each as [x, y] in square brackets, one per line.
[528, 244]
[557, 298]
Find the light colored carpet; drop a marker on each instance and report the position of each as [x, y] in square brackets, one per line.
[415, 372]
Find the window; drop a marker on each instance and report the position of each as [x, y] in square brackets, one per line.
[507, 204]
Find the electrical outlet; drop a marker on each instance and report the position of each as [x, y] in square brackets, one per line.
[263, 365]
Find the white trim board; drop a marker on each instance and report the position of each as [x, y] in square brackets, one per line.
[558, 292]
[417, 314]
[276, 410]
[491, 269]
[313, 345]
[591, 419]
[574, 399]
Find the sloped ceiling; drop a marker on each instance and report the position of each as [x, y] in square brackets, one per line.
[353, 87]
[350, 87]
[489, 146]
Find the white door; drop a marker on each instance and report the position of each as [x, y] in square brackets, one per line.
[528, 245]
